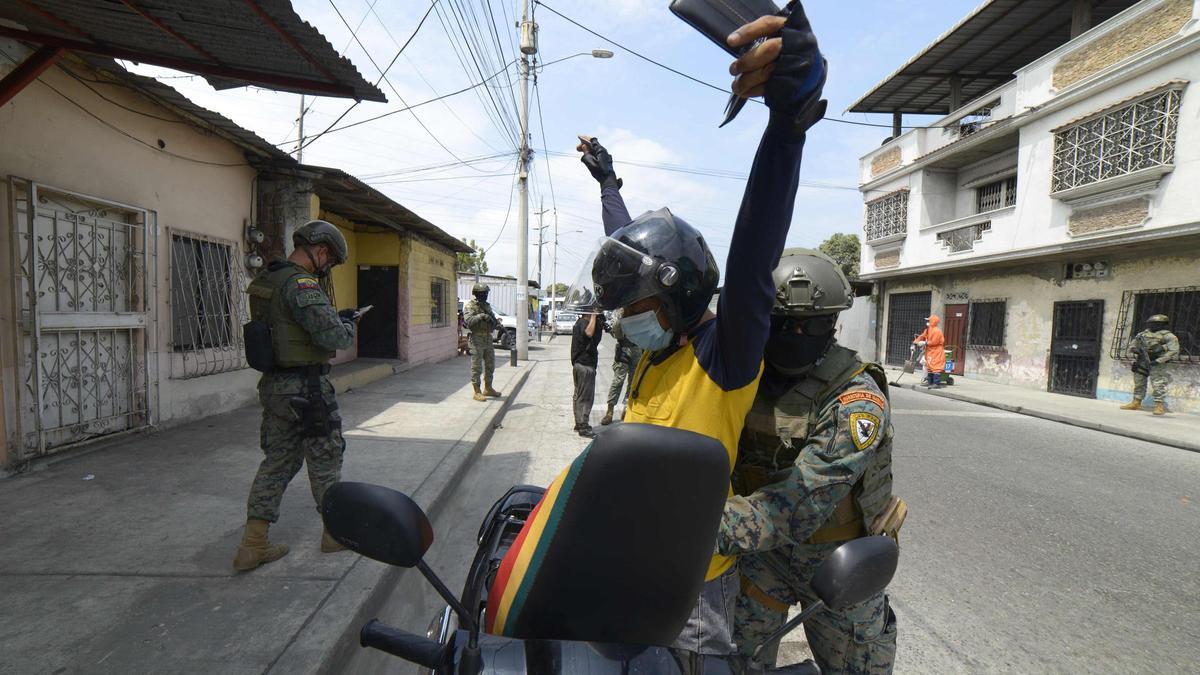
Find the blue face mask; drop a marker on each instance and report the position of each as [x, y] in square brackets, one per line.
[644, 331]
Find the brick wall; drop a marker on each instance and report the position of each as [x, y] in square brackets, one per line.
[885, 162]
[1110, 216]
[1146, 31]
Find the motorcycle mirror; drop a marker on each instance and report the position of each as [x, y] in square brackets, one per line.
[377, 522]
[856, 571]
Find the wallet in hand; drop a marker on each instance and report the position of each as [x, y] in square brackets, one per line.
[716, 19]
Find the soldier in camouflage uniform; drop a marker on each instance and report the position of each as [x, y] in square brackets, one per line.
[300, 422]
[626, 356]
[482, 323]
[813, 471]
[1151, 350]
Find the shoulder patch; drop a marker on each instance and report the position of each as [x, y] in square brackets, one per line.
[306, 283]
[860, 395]
[864, 429]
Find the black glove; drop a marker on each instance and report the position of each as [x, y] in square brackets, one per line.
[350, 315]
[600, 163]
[794, 91]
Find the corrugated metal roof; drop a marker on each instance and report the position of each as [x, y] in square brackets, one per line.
[983, 50]
[232, 43]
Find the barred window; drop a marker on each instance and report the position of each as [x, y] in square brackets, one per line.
[986, 327]
[963, 238]
[996, 195]
[887, 215]
[437, 301]
[1182, 307]
[207, 305]
[1138, 136]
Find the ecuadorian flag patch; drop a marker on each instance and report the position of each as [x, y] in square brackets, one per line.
[306, 283]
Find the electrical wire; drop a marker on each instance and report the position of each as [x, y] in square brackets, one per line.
[502, 118]
[508, 209]
[436, 178]
[301, 144]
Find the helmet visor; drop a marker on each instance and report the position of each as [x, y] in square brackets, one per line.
[613, 276]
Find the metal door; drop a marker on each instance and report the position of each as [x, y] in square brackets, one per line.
[906, 318]
[380, 288]
[956, 335]
[85, 298]
[1075, 347]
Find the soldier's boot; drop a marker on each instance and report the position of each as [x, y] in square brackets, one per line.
[1132, 405]
[255, 549]
[1160, 408]
[329, 544]
[488, 391]
[478, 395]
[607, 419]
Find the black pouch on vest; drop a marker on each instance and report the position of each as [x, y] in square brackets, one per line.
[260, 354]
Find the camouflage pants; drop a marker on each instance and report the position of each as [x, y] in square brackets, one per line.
[856, 639]
[1158, 379]
[483, 358]
[620, 374]
[286, 447]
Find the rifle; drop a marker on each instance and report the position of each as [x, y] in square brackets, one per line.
[1141, 365]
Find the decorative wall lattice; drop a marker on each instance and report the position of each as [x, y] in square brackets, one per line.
[1137, 136]
[963, 238]
[887, 215]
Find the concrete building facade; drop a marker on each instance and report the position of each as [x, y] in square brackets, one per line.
[1046, 218]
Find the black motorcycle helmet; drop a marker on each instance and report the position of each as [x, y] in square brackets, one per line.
[657, 255]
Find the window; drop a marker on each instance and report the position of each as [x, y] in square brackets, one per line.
[887, 216]
[207, 305]
[1181, 305]
[986, 328]
[1137, 136]
[996, 195]
[963, 238]
[977, 119]
[437, 302]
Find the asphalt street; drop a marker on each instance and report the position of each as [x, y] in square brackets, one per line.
[1030, 546]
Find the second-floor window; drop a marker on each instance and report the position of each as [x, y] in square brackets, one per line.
[887, 216]
[996, 195]
[1140, 135]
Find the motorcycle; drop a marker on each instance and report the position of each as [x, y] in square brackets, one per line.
[610, 583]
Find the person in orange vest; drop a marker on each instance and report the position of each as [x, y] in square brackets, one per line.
[934, 343]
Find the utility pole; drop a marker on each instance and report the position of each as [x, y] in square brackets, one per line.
[300, 141]
[541, 240]
[528, 48]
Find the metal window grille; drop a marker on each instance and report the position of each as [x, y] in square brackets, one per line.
[906, 319]
[963, 238]
[1138, 136]
[207, 306]
[1010, 191]
[996, 195]
[437, 304]
[970, 123]
[985, 328]
[1181, 305]
[887, 215]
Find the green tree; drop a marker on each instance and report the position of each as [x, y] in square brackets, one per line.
[845, 249]
[558, 290]
[473, 261]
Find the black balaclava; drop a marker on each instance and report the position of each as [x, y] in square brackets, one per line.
[793, 354]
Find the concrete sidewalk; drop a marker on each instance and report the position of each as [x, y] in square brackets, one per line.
[119, 560]
[1178, 430]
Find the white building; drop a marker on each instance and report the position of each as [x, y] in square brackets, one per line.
[1057, 203]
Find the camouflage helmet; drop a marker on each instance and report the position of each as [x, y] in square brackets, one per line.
[320, 232]
[810, 283]
[1158, 318]
[480, 288]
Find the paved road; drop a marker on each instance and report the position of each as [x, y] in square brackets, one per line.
[1030, 546]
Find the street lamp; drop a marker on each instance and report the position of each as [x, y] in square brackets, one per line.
[595, 53]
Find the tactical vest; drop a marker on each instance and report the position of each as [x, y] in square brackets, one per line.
[776, 431]
[474, 307]
[293, 346]
[1155, 342]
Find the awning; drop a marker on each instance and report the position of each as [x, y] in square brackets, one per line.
[350, 197]
[231, 43]
[982, 52]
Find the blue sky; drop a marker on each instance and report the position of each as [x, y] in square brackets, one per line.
[639, 111]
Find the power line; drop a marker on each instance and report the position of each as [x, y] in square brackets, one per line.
[695, 79]
[537, 95]
[711, 173]
[432, 167]
[502, 119]
[508, 209]
[437, 178]
[301, 144]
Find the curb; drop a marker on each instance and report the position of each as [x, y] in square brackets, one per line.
[1054, 417]
[330, 635]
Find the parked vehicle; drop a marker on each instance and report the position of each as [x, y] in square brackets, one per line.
[579, 612]
[564, 322]
[506, 334]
